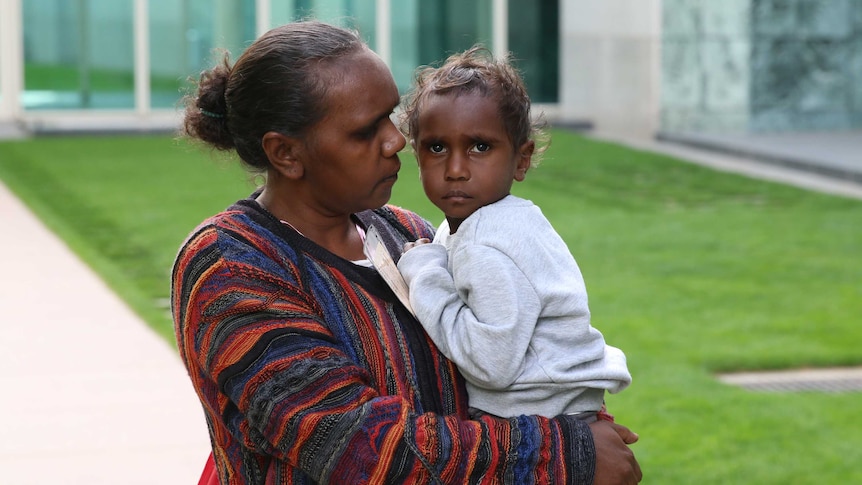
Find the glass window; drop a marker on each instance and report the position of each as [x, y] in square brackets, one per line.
[426, 32]
[187, 37]
[450, 26]
[78, 54]
[405, 42]
[354, 14]
[534, 34]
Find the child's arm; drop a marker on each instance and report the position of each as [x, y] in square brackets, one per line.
[483, 318]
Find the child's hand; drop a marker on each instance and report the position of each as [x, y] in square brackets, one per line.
[418, 242]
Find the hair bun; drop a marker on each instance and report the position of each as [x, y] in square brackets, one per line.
[206, 111]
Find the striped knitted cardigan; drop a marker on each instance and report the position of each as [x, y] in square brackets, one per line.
[310, 371]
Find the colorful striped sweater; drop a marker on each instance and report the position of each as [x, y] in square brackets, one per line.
[310, 371]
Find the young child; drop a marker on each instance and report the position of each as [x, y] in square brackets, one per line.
[498, 291]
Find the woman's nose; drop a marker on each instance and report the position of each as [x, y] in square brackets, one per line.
[394, 141]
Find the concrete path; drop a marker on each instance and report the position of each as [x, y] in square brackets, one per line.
[829, 163]
[90, 395]
[837, 154]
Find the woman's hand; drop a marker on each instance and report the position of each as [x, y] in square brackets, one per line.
[615, 462]
[418, 242]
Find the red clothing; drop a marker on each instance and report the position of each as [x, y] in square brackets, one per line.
[310, 371]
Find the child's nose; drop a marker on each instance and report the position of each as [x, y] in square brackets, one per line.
[457, 168]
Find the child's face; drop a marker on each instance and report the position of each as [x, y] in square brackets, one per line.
[466, 159]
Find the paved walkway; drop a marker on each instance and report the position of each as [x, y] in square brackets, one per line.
[829, 162]
[837, 154]
[90, 395]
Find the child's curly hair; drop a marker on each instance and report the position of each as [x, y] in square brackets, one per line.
[476, 70]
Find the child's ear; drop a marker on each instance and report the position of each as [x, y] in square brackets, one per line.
[525, 158]
[282, 152]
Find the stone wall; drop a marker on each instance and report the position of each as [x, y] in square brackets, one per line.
[761, 65]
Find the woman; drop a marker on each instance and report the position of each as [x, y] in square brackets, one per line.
[308, 367]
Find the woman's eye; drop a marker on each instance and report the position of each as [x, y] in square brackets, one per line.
[367, 133]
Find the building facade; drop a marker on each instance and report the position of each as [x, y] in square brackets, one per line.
[761, 65]
[626, 66]
[84, 63]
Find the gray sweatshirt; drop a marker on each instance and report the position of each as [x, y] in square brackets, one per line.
[504, 299]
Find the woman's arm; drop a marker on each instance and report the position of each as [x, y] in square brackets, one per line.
[270, 371]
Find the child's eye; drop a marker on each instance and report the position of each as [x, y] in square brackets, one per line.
[481, 147]
[435, 148]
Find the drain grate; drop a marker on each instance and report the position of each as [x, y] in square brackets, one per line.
[802, 380]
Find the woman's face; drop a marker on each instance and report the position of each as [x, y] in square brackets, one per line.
[466, 159]
[350, 157]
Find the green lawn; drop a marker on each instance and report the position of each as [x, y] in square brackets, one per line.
[689, 271]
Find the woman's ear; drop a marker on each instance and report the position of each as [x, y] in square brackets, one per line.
[282, 152]
[525, 158]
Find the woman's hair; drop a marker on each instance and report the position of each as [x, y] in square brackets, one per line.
[275, 85]
[477, 71]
